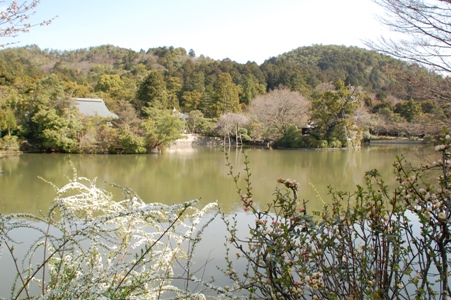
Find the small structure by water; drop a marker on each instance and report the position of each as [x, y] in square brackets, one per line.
[93, 107]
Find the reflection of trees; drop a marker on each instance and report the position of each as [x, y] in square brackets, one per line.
[342, 170]
[182, 176]
[22, 190]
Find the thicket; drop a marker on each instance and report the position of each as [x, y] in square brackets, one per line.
[374, 243]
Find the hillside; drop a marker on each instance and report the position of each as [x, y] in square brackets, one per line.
[301, 69]
[391, 104]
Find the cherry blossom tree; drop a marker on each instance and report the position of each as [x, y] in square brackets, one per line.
[14, 18]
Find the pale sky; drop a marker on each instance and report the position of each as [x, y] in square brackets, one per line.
[241, 30]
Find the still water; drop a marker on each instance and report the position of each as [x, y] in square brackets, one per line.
[182, 175]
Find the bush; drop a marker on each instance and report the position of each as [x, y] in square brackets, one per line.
[321, 144]
[90, 247]
[334, 143]
[370, 244]
[291, 139]
[9, 142]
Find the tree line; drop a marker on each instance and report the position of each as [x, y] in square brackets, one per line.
[317, 96]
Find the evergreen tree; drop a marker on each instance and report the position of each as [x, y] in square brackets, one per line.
[152, 91]
[226, 96]
[332, 111]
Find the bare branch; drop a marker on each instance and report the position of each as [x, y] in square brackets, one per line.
[14, 19]
[281, 108]
[425, 29]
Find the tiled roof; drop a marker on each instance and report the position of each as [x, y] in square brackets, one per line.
[93, 107]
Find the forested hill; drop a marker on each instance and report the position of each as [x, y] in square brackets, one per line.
[301, 69]
[132, 83]
[311, 66]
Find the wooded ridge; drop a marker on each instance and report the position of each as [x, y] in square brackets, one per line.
[346, 93]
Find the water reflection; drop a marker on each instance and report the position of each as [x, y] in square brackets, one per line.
[179, 176]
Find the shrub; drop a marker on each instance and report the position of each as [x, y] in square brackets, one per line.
[321, 144]
[8, 142]
[291, 139]
[369, 244]
[90, 247]
[334, 143]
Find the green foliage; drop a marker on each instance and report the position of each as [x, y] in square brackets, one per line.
[316, 64]
[250, 89]
[408, 110]
[7, 120]
[382, 105]
[292, 138]
[8, 142]
[191, 100]
[332, 112]
[174, 87]
[170, 78]
[196, 121]
[52, 124]
[111, 84]
[152, 91]
[130, 142]
[226, 96]
[161, 127]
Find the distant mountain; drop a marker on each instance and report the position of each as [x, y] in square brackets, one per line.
[356, 66]
[302, 69]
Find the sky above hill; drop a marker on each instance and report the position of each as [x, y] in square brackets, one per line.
[241, 30]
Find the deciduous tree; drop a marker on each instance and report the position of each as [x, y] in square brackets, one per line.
[279, 109]
[48, 117]
[195, 120]
[7, 120]
[424, 28]
[111, 84]
[229, 124]
[162, 127]
[408, 110]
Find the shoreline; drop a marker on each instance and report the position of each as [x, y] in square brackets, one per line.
[193, 141]
[9, 153]
[396, 141]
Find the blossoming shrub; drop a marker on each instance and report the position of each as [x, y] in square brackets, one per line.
[370, 244]
[89, 246]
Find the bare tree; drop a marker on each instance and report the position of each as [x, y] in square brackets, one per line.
[229, 124]
[128, 117]
[14, 19]
[425, 32]
[281, 108]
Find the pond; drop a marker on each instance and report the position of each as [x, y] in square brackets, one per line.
[182, 175]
